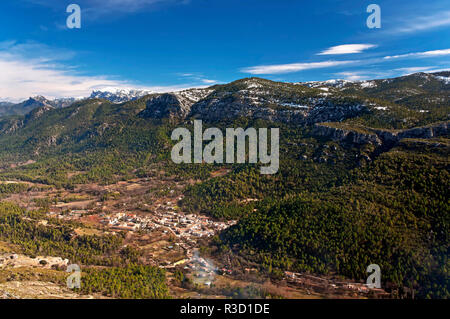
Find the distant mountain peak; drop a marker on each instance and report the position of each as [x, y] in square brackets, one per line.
[119, 95]
[336, 83]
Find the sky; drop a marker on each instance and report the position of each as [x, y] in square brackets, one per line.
[169, 45]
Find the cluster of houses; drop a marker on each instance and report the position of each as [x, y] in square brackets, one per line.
[123, 221]
[204, 270]
[185, 226]
[189, 227]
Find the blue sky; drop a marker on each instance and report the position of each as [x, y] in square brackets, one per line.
[166, 45]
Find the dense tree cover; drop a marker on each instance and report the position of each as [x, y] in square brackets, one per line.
[328, 209]
[428, 104]
[130, 282]
[394, 213]
[12, 188]
[306, 163]
[58, 239]
[124, 277]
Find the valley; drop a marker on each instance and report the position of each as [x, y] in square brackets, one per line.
[145, 212]
[363, 179]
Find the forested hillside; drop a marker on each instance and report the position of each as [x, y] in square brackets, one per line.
[363, 178]
[393, 212]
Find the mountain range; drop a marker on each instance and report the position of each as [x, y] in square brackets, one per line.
[363, 178]
[407, 90]
[359, 108]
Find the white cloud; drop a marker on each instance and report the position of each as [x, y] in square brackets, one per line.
[422, 23]
[23, 76]
[197, 77]
[207, 81]
[293, 67]
[361, 75]
[415, 69]
[425, 54]
[347, 49]
[352, 76]
[438, 70]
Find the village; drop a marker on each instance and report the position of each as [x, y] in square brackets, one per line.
[166, 219]
[145, 210]
[151, 220]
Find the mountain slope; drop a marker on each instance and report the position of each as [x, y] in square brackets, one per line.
[31, 104]
[120, 95]
[363, 177]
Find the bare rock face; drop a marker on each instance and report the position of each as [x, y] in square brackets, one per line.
[306, 111]
[429, 131]
[229, 105]
[347, 135]
[164, 106]
[9, 127]
[378, 137]
[329, 110]
[173, 105]
[233, 106]
[37, 113]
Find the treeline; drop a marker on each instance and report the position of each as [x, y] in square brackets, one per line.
[394, 213]
[130, 282]
[58, 239]
[13, 188]
[306, 164]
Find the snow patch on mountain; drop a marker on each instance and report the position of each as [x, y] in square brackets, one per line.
[368, 84]
[444, 78]
[120, 95]
[295, 105]
[336, 83]
[193, 95]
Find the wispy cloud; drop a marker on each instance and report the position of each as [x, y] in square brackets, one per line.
[97, 8]
[198, 77]
[421, 23]
[207, 81]
[347, 49]
[425, 54]
[415, 69]
[361, 75]
[293, 67]
[51, 75]
[352, 76]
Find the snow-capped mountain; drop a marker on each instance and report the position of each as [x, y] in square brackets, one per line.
[421, 92]
[7, 108]
[336, 83]
[421, 77]
[125, 95]
[120, 95]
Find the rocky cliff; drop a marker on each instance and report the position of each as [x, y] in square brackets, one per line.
[377, 137]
